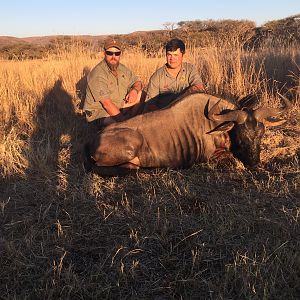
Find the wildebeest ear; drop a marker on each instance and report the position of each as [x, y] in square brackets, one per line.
[224, 127]
[249, 101]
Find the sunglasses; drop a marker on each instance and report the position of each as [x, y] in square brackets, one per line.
[111, 53]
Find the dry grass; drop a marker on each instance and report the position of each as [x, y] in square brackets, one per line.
[204, 233]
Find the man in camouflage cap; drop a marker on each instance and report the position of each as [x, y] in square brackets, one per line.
[111, 87]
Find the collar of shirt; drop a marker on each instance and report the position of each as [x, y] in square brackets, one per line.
[182, 70]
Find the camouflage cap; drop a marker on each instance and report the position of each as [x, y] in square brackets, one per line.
[109, 43]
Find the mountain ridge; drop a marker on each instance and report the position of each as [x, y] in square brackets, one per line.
[46, 39]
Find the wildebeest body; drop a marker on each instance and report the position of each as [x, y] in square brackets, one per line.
[172, 137]
[191, 130]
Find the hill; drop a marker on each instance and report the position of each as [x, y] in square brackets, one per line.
[282, 32]
[10, 40]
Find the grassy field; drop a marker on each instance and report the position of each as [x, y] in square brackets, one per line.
[209, 232]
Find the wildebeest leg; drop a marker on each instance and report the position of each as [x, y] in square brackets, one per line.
[113, 171]
[116, 147]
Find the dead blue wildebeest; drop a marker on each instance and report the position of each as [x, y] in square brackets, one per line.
[194, 129]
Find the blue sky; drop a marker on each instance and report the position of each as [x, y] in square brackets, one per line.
[72, 17]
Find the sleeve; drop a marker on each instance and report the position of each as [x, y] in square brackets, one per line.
[153, 86]
[194, 76]
[97, 89]
[98, 86]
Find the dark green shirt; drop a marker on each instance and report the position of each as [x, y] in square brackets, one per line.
[102, 84]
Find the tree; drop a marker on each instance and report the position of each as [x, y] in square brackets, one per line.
[170, 27]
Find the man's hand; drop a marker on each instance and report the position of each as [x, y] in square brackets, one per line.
[197, 88]
[131, 97]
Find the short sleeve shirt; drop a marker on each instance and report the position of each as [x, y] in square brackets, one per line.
[162, 82]
[102, 84]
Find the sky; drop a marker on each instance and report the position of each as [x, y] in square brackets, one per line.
[26, 18]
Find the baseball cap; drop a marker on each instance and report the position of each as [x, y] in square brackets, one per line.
[111, 43]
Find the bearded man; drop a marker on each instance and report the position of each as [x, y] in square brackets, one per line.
[113, 92]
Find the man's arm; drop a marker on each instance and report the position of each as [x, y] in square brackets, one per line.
[110, 107]
[196, 88]
[195, 82]
[132, 95]
[138, 86]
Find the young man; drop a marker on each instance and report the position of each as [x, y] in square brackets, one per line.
[176, 78]
[111, 87]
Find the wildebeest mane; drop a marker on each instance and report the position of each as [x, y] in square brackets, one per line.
[248, 101]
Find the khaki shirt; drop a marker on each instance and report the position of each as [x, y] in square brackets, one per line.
[162, 82]
[102, 84]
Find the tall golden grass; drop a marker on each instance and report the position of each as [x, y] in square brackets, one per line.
[225, 68]
[201, 233]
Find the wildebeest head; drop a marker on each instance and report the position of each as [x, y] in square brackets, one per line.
[246, 129]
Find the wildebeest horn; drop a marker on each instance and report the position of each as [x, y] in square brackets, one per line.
[265, 112]
[238, 116]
